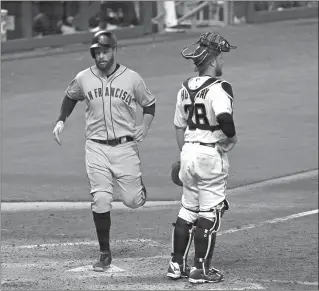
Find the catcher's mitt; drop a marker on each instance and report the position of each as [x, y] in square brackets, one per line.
[174, 173]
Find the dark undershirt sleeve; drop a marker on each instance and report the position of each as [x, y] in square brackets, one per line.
[67, 107]
[149, 109]
[226, 124]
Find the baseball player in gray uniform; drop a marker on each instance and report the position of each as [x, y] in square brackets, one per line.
[112, 92]
[205, 132]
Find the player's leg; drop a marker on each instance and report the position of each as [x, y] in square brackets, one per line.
[183, 230]
[182, 237]
[101, 181]
[126, 166]
[213, 170]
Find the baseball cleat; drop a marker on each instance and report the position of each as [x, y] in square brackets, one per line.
[175, 271]
[197, 276]
[104, 263]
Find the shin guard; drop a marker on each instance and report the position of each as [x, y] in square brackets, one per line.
[182, 237]
[205, 240]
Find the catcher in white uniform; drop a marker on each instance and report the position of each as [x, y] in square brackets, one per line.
[205, 131]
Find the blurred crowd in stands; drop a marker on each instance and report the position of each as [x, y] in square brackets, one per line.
[110, 15]
[60, 17]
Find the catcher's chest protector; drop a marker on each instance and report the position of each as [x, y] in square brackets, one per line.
[197, 88]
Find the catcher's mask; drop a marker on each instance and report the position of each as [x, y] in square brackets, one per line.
[104, 39]
[207, 44]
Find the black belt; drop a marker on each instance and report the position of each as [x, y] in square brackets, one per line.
[114, 142]
[212, 145]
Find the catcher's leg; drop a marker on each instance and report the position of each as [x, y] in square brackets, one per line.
[182, 237]
[205, 239]
[184, 227]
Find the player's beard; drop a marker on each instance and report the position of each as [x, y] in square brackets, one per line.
[105, 67]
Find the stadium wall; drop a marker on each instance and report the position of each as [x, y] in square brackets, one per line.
[147, 12]
[253, 16]
[81, 37]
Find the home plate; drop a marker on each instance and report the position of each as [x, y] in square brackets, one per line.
[89, 268]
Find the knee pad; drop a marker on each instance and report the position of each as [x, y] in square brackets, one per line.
[102, 202]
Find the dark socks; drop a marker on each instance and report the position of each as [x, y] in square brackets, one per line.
[102, 223]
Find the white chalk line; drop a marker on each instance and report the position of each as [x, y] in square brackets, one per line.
[155, 243]
[150, 242]
[33, 206]
[271, 221]
[40, 206]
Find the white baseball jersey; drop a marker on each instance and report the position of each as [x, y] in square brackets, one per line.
[110, 102]
[210, 100]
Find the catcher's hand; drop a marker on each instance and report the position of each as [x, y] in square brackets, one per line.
[174, 173]
[226, 145]
[57, 131]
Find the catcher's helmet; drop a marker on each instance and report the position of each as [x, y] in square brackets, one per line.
[207, 44]
[103, 39]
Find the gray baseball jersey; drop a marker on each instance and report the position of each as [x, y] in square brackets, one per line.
[110, 102]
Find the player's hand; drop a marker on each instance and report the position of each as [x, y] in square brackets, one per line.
[140, 132]
[227, 144]
[57, 131]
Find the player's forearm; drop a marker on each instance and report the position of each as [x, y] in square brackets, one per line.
[233, 139]
[147, 120]
[67, 107]
[180, 137]
[148, 115]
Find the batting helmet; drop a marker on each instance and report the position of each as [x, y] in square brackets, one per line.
[103, 39]
[207, 44]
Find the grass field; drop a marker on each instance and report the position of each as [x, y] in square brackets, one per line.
[274, 74]
[268, 239]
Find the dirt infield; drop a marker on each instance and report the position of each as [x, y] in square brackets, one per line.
[265, 243]
[269, 237]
